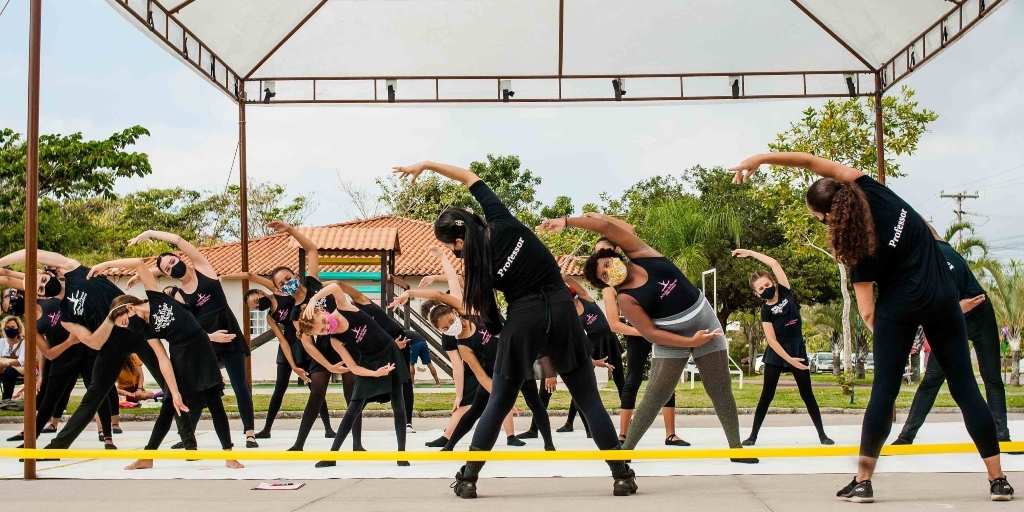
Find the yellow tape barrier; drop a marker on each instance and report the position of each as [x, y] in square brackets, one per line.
[708, 453]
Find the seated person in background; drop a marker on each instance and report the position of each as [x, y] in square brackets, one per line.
[12, 355]
[130, 385]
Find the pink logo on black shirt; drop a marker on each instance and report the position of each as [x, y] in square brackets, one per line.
[54, 318]
[591, 319]
[667, 287]
[485, 336]
[792, 322]
[360, 333]
[203, 299]
[282, 314]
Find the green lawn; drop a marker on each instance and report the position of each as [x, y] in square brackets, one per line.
[828, 396]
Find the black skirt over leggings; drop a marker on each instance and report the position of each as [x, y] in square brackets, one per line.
[944, 325]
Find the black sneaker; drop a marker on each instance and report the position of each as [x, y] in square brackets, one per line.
[403, 463]
[1000, 489]
[529, 434]
[826, 440]
[750, 441]
[858, 492]
[464, 488]
[514, 441]
[746, 460]
[326, 464]
[330, 434]
[178, 446]
[625, 484]
[900, 441]
[262, 434]
[440, 442]
[564, 429]
[675, 440]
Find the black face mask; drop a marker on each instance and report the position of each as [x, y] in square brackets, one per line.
[52, 287]
[178, 270]
[768, 293]
[263, 304]
[136, 325]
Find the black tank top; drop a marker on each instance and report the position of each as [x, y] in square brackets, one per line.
[593, 318]
[667, 291]
[208, 298]
[363, 336]
[49, 324]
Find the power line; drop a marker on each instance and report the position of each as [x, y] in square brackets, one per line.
[959, 208]
[5, 7]
[996, 175]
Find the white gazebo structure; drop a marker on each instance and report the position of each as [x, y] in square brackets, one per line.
[422, 52]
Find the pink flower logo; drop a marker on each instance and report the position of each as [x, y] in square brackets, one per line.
[667, 287]
[486, 336]
[360, 333]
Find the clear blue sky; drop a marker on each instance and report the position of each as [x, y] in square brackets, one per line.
[101, 75]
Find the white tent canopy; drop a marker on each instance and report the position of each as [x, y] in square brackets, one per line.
[341, 51]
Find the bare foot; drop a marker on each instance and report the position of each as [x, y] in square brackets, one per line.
[233, 464]
[140, 464]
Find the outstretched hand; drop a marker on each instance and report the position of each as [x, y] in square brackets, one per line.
[411, 171]
[279, 226]
[797, 362]
[142, 238]
[402, 342]
[96, 269]
[399, 301]
[179, 405]
[551, 225]
[745, 170]
[741, 253]
[384, 370]
[703, 336]
[221, 336]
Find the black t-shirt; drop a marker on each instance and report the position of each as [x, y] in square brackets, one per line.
[380, 316]
[87, 301]
[523, 265]
[593, 318]
[667, 291]
[363, 336]
[449, 342]
[966, 284]
[169, 320]
[784, 315]
[484, 345]
[907, 265]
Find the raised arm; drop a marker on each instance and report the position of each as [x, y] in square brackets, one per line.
[357, 296]
[253, 278]
[611, 310]
[199, 261]
[47, 258]
[168, 372]
[455, 282]
[11, 282]
[614, 220]
[428, 295]
[312, 252]
[580, 290]
[141, 270]
[628, 242]
[780, 275]
[464, 176]
[820, 166]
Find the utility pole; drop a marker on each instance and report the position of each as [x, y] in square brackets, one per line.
[959, 207]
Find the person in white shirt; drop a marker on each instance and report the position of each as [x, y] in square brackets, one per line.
[12, 355]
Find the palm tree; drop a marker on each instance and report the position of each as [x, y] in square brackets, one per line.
[960, 234]
[1007, 296]
[827, 319]
[680, 228]
[750, 332]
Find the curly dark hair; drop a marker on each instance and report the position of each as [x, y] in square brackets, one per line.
[590, 267]
[433, 310]
[851, 227]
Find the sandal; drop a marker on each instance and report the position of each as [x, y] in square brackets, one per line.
[50, 429]
[116, 429]
[17, 437]
[250, 442]
[674, 440]
[108, 443]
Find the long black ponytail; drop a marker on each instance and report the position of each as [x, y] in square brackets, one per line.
[455, 223]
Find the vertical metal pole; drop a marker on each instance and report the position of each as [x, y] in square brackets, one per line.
[879, 142]
[243, 201]
[384, 281]
[31, 208]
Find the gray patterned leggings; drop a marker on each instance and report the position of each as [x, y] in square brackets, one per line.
[665, 373]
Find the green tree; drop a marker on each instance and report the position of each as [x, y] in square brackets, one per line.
[267, 202]
[431, 195]
[70, 168]
[974, 249]
[842, 131]
[750, 334]
[1007, 296]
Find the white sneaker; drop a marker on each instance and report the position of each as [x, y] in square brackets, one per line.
[409, 429]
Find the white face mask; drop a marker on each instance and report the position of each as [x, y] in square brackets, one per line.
[456, 328]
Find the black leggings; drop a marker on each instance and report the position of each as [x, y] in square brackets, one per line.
[10, 381]
[407, 394]
[58, 392]
[481, 403]
[213, 404]
[104, 374]
[947, 334]
[983, 331]
[318, 400]
[354, 413]
[771, 382]
[614, 359]
[234, 364]
[284, 376]
[582, 386]
[638, 350]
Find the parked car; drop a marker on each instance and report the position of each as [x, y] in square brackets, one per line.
[821, 362]
[759, 364]
[745, 360]
[869, 362]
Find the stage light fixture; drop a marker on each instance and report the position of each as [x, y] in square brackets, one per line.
[392, 86]
[619, 86]
[850, 85]
[734, 84]
[506, 90]
[268, 91]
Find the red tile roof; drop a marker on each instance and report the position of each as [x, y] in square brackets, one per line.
[410, 238]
